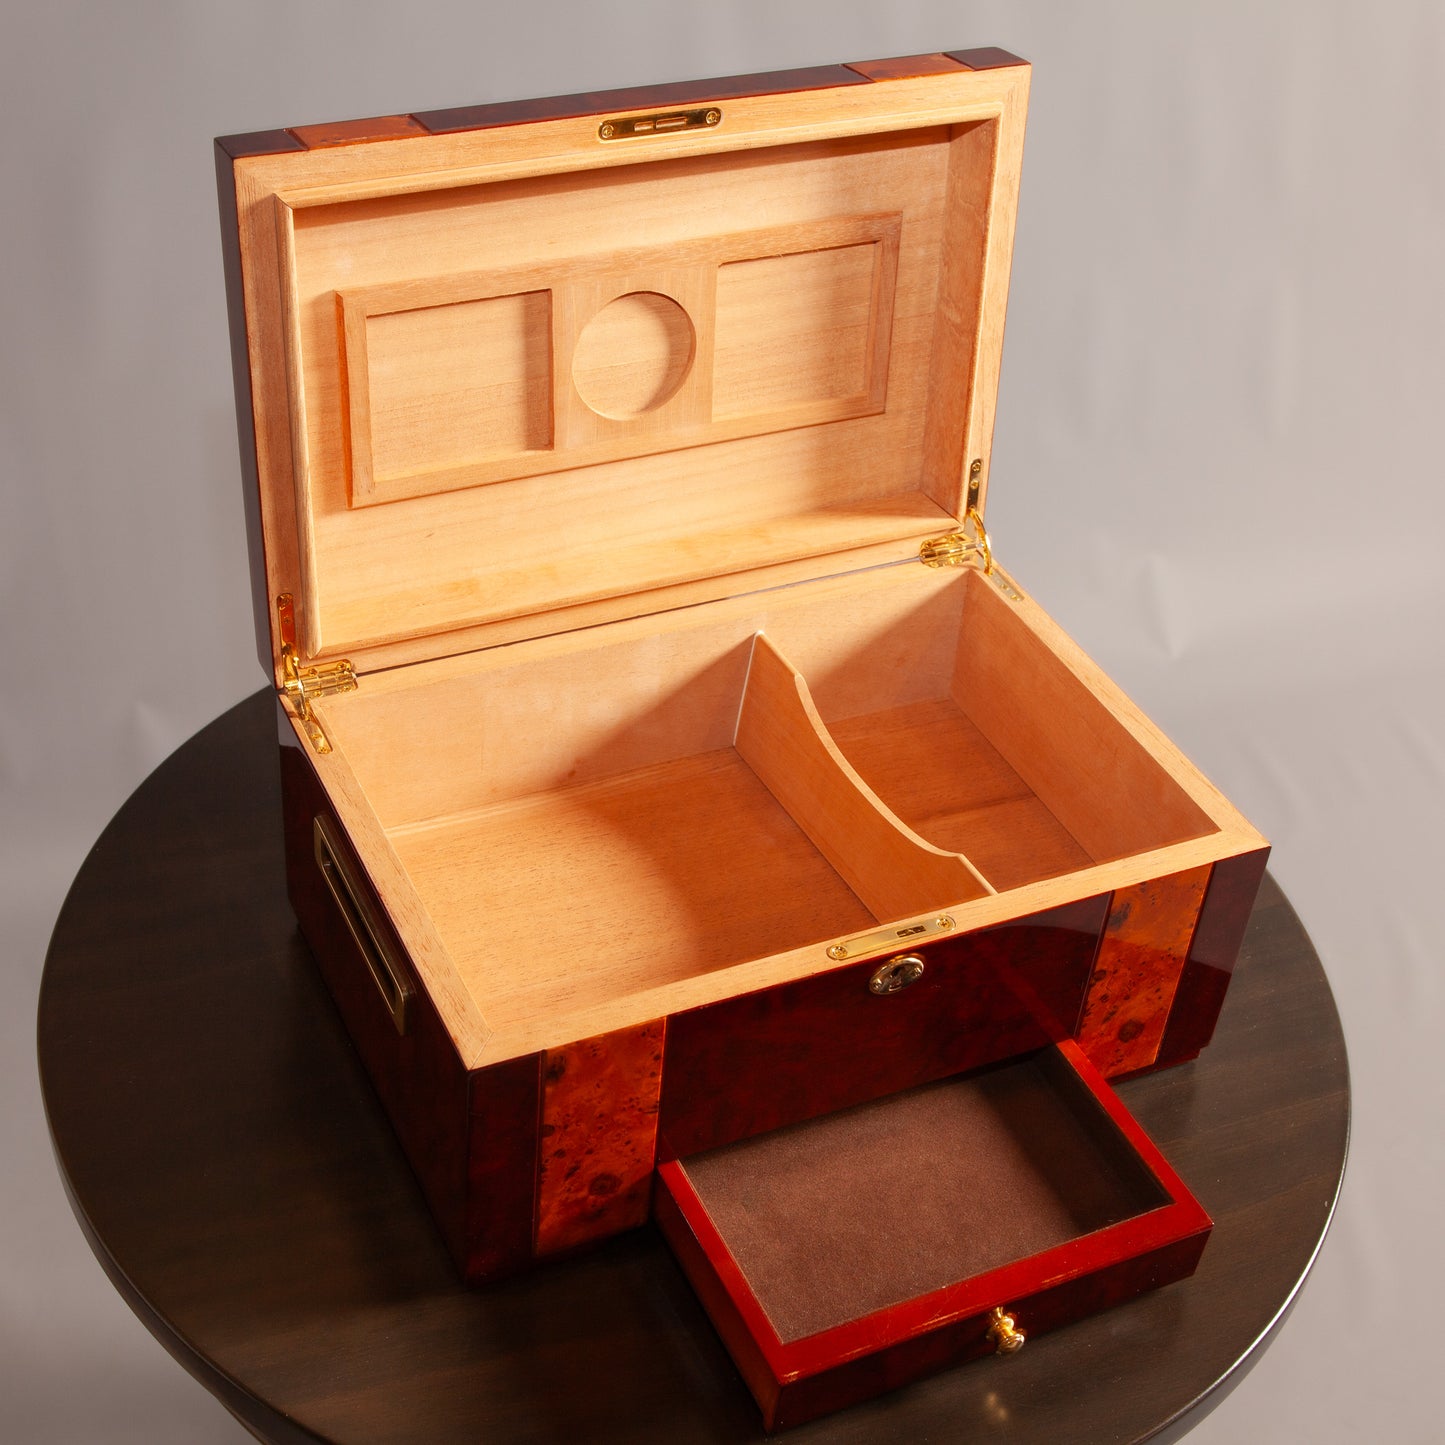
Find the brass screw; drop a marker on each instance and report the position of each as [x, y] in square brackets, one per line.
[607, 130]
[838, 951]
[712, 117]
[944, 922]
[975, 468]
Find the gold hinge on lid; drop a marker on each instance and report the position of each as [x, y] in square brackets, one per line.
[970, 543]
[301, 684]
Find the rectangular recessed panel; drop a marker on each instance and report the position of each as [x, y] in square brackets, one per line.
[467, 378]
[459, 383]
[794, 329]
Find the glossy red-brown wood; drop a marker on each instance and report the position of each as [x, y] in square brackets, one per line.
[502, 1145]
[985, 57]
[354, 132]
[796, 1381]
[1228, 902]
[636, 98]
[759, 1061]
[471, 1139]
[868, 1376]
[905, 67]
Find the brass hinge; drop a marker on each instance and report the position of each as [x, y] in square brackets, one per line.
[970, 543]
[301, 684]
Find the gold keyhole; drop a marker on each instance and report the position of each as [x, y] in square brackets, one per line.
[896, 974]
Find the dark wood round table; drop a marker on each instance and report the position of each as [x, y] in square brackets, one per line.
[235, 1176]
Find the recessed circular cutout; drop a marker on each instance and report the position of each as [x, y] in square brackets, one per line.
[633, 355]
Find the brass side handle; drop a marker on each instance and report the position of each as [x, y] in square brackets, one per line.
[1003, 1330]
[896, 974]
[386, 970]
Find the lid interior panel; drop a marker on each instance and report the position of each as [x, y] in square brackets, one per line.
[546, 391]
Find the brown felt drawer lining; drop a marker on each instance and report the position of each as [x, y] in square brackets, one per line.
[836, 1218]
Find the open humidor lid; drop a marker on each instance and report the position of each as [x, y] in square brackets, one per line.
[850, 1255]
[520, 369]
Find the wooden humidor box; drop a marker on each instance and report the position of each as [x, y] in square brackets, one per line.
[667, 761]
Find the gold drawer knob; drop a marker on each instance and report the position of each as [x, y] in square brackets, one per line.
[897, 973]
[1003, 1330]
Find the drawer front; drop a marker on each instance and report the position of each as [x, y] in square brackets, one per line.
[749, 1064]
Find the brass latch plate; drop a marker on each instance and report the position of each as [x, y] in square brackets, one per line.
[662, 122]
[883, 937]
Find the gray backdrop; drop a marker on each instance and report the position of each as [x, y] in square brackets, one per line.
[1218, 463]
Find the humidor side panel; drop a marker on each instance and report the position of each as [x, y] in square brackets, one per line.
[1213, 953]
[471, 1139]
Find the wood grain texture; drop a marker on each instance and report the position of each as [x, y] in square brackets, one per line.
[749, 1064]
[235, 1174]
[597, 768]
[255, 143]
[353, 132]
[1136, 974]
[503, 1145]
[762, 502]
[1104, 782]
[930, 763]
[985, 57]
[633, 502]
[598, 1136]
[635, 98]
[1233, 887]
[692, 855]
[228, 148]
[471, 378]
[781, 737]
[969, 329]
[904, 67]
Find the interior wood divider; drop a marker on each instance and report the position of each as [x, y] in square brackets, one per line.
[781, 736]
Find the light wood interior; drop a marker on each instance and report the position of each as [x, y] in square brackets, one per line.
[591, 817]
[549, 431]
[550, 390]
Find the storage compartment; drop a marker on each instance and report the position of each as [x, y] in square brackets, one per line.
[585, 819]
[996, 749]
[861, 1250]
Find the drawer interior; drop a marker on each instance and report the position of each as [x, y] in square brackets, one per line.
[837, 1218]
[589, 817]
[856, 1251]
